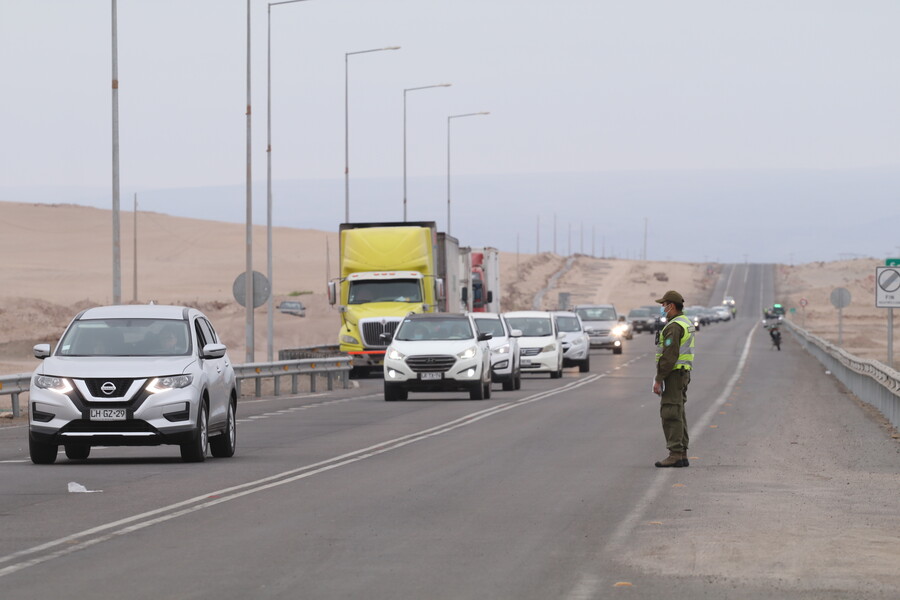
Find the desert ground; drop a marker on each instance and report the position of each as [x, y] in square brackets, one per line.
[57, 261]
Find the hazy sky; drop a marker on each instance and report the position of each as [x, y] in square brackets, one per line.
[571, 85]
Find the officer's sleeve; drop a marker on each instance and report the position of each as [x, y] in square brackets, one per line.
[671, 338]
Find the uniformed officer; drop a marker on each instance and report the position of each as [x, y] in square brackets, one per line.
[674, 361]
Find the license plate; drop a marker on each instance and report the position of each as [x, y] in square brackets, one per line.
[108, 414]
[430, 376]
[526, 362]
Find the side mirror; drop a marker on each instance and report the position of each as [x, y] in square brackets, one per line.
[490, 297]
[560, 335]
[41, 350]
[515, 333]
[621, 318]
[465, 296]
[439, 288]
[213, 351]
[483, 337]
[332, 292]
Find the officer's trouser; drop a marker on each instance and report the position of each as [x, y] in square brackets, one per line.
[671, 410]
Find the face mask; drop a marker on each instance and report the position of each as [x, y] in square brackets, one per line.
[662, 310]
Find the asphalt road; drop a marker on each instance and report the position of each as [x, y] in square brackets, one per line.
[547, 492]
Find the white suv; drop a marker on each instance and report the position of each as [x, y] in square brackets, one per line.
[576, 342]
[539, 346]
[133, 375]
[504, 343]
[437, 352]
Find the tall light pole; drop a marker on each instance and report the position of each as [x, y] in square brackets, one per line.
[117, 252]
[248, 284]
[347, 55]
[424, 87]
[270, 304]
[449, 119]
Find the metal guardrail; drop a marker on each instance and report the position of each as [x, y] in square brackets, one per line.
[869, 380]
[318, 363]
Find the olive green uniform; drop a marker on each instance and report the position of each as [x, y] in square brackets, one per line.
[675, 379]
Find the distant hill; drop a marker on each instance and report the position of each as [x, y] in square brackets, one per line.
[784, 216]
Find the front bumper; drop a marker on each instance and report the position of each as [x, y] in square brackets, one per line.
[150, 419]
[462, 375]
[544, 362]
[606, 341]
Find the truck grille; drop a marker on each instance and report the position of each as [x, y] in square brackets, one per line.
[372, 330]
[430, 363]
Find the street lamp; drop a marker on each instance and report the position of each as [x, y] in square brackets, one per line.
[270, 304]
[424, 87]
[448, 157]
[347, 126]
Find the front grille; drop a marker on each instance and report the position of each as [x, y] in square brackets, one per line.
[430, 363]
[95, 385]
[529, 351]
[372, 330]
[599, 332]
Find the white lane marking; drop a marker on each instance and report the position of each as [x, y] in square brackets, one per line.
[586, 588]
[617, 539]
[134, 523]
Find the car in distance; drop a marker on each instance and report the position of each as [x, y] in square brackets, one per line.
[504, 344]
[602, 325]
[641, 319]
[539, 347]
[696, 315]
[575, 341]
[437, 352]
[133, 375]
[292, 307]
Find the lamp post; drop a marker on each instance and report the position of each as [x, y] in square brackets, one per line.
[424, 87]
[449, 119]
[347, 55]
[117, 251]
[270, 303]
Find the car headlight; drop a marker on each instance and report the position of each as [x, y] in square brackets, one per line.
[549, 348]
[504, 349]
[619, 330]
[394, 354]
[577, 341]
[171, 382]
[469, 352]
[49, 382]
[349, 339]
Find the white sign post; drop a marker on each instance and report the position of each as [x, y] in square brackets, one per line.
[887, 295]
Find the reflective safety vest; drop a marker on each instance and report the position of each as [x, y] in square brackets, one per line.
[685, 346]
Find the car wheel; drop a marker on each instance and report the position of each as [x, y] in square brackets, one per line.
[487, 390]
[509, 384]
[195, 450]
[477, 391]
[223, 445]
[585, 365]
[518, 384]
[77, 451]
[41, 453]
[617, 350]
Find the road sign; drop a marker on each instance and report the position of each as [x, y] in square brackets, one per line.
[892, 262]
[803, 301]
[840, 297]
[260, 289]
[887, 288]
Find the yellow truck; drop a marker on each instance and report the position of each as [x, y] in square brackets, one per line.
[388, 270]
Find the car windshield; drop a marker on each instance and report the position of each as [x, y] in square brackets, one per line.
[596, 314]
[126, 337]
[692, 311]
[532, 326]
[434, 329]
[568, 324]
[491, 326]
[396, 290]
[639, 312]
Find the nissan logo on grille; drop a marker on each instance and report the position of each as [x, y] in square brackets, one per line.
[108, 388]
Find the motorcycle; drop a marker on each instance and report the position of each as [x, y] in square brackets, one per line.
[774, 333]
